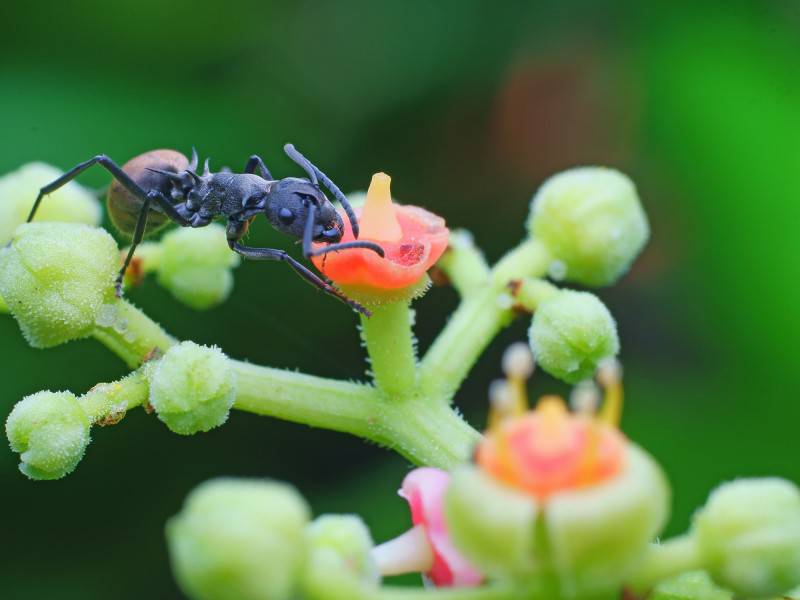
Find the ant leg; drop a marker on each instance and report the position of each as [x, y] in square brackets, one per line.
[237, 229]
[138, 234]
[308, 234]
[314, 173]
[256, 161]
[118, 174]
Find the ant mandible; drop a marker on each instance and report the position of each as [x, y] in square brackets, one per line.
[161, 186]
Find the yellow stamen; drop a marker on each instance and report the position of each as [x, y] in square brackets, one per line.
[610, 377]
[554, 418]
[378, 221]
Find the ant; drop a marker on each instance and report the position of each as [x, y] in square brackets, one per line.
[161, 186]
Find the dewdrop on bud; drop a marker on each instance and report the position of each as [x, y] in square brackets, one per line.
[192, 388]
[571, 333]
[195, 266]
[50, 431]
[55, 277]
[238, 539]
[71, 203]
[591, 221]
[518, 361]
[748, 534]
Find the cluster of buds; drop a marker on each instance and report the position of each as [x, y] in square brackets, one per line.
[191, 388]
[555, 502]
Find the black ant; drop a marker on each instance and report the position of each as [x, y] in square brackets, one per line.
[157, 187]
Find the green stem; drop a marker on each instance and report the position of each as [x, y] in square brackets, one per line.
[427, 433]
[3, 306]
[106, 403]
[477, 321]
[464, 264]
[664, 560]
[316, 401]
[390, 344]
[131, 334]
[532, 292]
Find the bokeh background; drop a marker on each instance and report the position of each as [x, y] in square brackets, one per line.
[469, 106]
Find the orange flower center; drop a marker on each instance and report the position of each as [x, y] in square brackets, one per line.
[550, 450]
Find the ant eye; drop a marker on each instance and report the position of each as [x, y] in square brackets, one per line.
[286, 216]
[308, 198]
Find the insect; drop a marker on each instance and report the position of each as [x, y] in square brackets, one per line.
[162, 186]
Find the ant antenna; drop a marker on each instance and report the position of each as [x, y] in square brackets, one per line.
[313, 173]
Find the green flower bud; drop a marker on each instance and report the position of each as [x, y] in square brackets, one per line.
[195, 266]
[571, 333]
[587, 540]
[55, 277]
[493, 525]
[749, 536]
[238, 539]
[592, 222]
[340, 561]
[71, 203]
[694, 585]
[50, 431]
[192, 388]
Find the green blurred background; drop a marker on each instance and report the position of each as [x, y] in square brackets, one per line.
[469, 106]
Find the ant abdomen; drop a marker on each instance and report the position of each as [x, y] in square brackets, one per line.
[124, 207]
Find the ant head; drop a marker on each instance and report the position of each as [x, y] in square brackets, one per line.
[288, 206]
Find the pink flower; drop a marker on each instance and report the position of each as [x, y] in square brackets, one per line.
[427, 547]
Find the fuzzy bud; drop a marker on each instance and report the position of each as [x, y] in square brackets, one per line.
[749, 536]
[571, 333]
[55, 277]
[192, 388]
[592, 222]
[239, 539]
[71, 203]
[340, 557]
[50, 431]
[195, 266]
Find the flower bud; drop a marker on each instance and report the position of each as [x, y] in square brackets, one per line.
[694, 585]
[493, 525]
[340, 558]
[50, 431]
[749, 536]
[55, 277]
[239, 539]
[71, 203]
[591, 221]
[195, 266]
[571, 333]
[192, 388]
